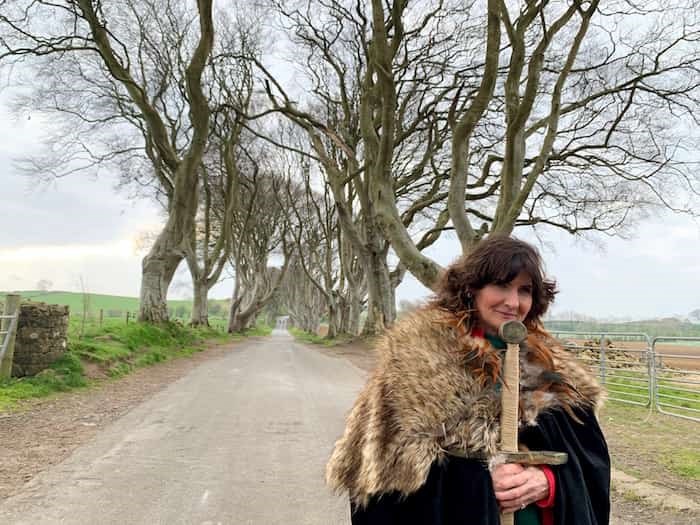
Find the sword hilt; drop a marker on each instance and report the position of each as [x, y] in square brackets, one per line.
[513, 333]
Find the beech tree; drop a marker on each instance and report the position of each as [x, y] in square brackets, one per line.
[571, 115]
[137, 64]
[260, 232]
[577, 122]
[230, 94]
[341, 116]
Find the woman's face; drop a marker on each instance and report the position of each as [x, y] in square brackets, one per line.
[498, 303]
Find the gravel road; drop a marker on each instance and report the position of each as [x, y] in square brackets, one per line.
[242, 439]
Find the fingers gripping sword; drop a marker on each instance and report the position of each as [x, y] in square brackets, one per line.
[514, 334]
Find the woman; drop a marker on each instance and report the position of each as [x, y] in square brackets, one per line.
[421, 439]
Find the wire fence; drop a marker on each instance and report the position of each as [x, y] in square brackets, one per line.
[661, 373]
[104, 317]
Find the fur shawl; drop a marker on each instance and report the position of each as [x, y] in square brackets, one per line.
[428, 394]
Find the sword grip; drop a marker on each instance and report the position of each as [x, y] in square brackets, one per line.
[509, 399]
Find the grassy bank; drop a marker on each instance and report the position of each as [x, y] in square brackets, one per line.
[307, 337]
[110, 351]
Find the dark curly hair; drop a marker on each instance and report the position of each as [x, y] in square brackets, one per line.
[497, 259]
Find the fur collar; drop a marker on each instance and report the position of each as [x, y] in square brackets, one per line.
[427, 393]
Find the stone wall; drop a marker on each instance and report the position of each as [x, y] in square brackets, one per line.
[41, 337]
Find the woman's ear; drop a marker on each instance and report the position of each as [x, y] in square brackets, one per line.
[467, 298]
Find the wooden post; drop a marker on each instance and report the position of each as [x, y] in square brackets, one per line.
[101, 316]
[11, 308]
[127, 317]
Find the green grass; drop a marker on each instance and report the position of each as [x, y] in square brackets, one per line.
[685, 463]
[653, 446]
[65, 374]
[654, 327]
[260, 329]
[308, 337]
[115, 349]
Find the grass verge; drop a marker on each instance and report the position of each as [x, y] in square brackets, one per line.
[654, 446]
[112, 350]
[308, 337]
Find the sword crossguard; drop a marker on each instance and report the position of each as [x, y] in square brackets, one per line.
[533, 457]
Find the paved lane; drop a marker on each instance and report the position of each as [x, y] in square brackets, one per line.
[240, 440]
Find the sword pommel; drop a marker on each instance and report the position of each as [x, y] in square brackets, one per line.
[513, 332]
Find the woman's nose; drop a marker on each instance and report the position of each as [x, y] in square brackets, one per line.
[512, 299]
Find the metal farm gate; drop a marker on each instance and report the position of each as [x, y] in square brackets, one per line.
[676, 377]
[640, 370]
[621, 361]
[8, 329]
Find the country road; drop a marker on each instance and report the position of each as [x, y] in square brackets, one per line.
[239, 440]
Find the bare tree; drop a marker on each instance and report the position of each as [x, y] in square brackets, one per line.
[362, 152]
[230, 97]
[304, 302]
[260, 231]
[131, 62]
[558, 115]
[572, 123]
[316, 237]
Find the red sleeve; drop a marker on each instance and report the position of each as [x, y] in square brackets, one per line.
[548, 502]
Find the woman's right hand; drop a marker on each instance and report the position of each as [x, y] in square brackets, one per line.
[516, 486]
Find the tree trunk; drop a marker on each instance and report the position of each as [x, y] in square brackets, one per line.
[354, 309]
[243, 319]
[200, 307]
[381, 308]
[333, 318]
[158, 269]
[233, 311]
[238, 323]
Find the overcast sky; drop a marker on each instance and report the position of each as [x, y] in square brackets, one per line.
[80, 228]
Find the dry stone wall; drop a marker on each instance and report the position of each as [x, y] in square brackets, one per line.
[41, 337]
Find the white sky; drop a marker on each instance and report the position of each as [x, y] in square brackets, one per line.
[78, 227]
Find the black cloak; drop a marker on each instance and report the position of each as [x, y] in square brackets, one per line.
[459, 491]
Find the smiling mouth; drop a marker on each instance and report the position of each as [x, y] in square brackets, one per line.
[507, 315]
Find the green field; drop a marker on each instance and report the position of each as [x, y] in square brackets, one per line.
[654, 327]
[113, 305]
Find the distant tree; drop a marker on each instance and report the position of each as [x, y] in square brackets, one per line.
[694, 316]
[406, 306]
[44, 285]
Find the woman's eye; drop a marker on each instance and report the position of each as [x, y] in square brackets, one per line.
[526, 291]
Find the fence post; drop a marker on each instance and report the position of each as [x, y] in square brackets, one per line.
[127, 317]
[11, 308]
[651, 365]
[602, 359]
[101, 316]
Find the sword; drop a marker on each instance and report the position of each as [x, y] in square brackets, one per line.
[514, 334]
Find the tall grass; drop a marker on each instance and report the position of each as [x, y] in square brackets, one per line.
[111, 350]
